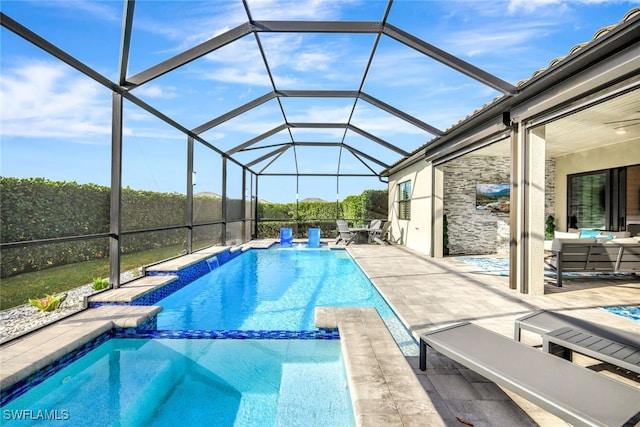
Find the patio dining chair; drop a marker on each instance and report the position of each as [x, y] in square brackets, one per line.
[374, 227]
[344, 233]
[380, 236]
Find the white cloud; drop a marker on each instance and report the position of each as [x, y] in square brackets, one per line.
[41, 99]
[156, 91]
[297, 9]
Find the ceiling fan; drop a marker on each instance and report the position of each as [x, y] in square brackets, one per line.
[624, 124]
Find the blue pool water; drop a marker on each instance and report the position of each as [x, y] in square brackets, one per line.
[630, 312]
[276, 290]
[150, 380]
[136, 382]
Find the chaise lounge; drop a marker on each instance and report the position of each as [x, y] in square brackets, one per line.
[554, 384]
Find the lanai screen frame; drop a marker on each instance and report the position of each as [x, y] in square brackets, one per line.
[121, 91]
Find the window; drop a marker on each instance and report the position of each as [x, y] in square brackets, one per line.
[404, 208]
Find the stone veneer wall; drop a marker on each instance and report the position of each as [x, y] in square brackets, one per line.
[482, 232]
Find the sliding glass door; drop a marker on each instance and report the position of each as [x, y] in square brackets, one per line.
[587, 200]
[604, 200]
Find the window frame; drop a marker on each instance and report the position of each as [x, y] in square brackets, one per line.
[404, 200]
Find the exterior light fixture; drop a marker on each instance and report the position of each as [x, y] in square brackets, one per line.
[621, 130]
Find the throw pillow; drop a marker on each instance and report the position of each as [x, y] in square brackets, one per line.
[586, 234]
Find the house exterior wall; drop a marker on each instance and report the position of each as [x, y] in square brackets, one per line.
[474, 231]
[608, 156]
[470, 231]
[416, 232]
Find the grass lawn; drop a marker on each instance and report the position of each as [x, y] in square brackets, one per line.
[17, 290]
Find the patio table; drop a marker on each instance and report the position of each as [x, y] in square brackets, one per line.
[362, 232]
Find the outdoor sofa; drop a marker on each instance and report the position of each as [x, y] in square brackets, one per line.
[602, 253]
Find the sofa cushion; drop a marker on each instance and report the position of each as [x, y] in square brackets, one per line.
[556, 245]
[624, 240]
[588, 233]
[616, 234]
[566, 235]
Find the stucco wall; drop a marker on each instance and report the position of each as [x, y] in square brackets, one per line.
[416, 233]
[471, 231]
[608, 156]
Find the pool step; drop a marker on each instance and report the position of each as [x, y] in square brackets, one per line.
[132, 290]
[182, 262]
[26, 355]
[299, 400]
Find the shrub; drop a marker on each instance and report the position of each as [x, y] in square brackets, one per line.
[48, 303]
[100, 284]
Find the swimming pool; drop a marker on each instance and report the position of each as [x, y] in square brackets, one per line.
[134, 382]
[268, 290]
[261, 294]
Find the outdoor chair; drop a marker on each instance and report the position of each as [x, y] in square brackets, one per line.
[286, 237]
[314, 238]
[375, 226]
[344, 233]
[381, 236]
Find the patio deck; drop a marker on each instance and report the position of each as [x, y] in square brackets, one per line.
[427, 293]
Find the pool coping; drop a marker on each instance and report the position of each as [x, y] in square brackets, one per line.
[26, 355]
[384, 389]
[382, 384]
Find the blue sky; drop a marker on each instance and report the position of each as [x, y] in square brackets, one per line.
[56, 123]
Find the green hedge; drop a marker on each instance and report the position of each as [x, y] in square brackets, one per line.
[371, 204]
[37, 208]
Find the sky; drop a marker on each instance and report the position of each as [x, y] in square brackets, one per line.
[56, 123]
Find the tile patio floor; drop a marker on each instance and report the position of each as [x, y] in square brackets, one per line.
[427, 293]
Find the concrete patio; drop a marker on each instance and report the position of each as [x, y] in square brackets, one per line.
[429, 293]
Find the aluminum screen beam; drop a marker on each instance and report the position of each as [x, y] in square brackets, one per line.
[234, 113]
[266, 156]
[378, 140]
[125, 44]
[370, 27]
[190, 55]
[400, 114]
[450, 60]
[318, 125]
[55, 51]
[318, 93]
[318, 144]
[321, 174]
[256, 139]
[357, 152]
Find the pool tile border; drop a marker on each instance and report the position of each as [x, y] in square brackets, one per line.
[146, 330]
[184, 275]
